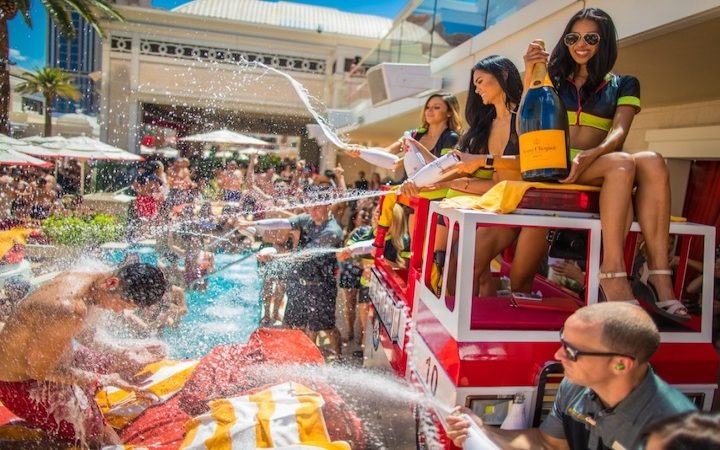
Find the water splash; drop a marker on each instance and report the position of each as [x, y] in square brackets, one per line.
[304, 96]
[385, 403]
[327, 198]
[65, 403]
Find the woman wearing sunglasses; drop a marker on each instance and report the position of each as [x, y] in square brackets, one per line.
[601, 106]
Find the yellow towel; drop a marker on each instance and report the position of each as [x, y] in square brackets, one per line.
[120, 407]
[505, 196]
[285, 415]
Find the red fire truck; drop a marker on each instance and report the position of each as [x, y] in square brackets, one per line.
[494, 354]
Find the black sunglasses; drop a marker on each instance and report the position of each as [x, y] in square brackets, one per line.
[573, 353]
[590, 38]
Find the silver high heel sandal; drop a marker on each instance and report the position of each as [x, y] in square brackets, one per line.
[667, 308]
[609, 275]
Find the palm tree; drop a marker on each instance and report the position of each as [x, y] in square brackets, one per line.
[52, 83]
[60, 12]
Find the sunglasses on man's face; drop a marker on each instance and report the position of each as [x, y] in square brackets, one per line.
[573, 353]
[590, 38]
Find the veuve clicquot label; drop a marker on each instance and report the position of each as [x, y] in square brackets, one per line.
[543, 130]
[543, 149]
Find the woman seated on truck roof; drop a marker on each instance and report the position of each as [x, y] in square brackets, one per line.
[493, 97]
[601, 107]
[439, 132]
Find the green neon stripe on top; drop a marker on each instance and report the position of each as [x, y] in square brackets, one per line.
[629, 100]
[483, 173]
[589, 120]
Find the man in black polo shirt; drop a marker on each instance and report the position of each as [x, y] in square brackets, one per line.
[311, 287]
[609, 394]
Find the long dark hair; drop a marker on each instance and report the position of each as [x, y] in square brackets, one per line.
[478, 115]
[561, 64]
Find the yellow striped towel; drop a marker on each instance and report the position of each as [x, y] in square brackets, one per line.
[285, 416]
[168, 377]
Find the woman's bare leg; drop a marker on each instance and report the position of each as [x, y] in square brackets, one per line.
[349, 302]
[652, 201]
[615, 173]
[489, 242]
[532, 247]
[441, 234]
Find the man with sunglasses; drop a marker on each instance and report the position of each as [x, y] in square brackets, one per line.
[609, 393]
[47, 377]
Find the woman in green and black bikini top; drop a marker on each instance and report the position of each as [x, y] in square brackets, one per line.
[493, 95]
[601, 107]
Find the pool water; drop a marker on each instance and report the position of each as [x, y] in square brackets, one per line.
[227, 312]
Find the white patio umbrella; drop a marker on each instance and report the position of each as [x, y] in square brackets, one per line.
[10, 157]
[85, 148]
[226, 137]
[253, 151]
[26, 147]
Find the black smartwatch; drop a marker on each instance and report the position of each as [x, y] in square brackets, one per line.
[489, 160]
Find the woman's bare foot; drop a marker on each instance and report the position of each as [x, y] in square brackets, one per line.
[661, 284]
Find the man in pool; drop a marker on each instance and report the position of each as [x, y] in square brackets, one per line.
[46, 377]
[609, 393]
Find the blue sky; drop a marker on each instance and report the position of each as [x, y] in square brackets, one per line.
[27, 46]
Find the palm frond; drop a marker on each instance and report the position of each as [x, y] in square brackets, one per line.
[24, 9]
[60, 15]
[49, 81]
[93, 11]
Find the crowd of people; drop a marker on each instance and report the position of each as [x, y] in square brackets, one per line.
[29, 195]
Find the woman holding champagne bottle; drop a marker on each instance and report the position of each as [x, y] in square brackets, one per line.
[439, 132]
[493, 96]
[601, 107]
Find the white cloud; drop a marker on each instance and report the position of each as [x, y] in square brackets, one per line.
[16, 55]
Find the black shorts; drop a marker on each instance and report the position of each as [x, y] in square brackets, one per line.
[311, 305]
[364, 295]
[350, 275]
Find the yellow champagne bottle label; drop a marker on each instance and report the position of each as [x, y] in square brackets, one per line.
[543, 149]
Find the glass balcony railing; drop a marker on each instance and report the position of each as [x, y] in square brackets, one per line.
[435, 27]
[430, 29]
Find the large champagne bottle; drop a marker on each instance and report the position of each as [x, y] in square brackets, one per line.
[543, 130]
